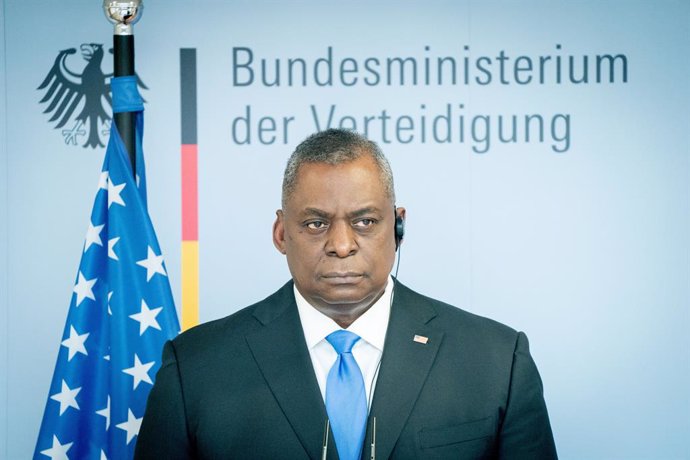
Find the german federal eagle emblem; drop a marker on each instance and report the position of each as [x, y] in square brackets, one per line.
[88, 92]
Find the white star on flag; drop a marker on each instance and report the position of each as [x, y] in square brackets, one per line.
[114, 193]
[139, 371]
[83, 288]
[103, 457]
[131, 426]
[105, 412]
[67, 397]
[58, 451]
[153, 264]
[103, 181]
[146, 318]
[75, 343]
[111, 247]
[93, 236]
[110, 294]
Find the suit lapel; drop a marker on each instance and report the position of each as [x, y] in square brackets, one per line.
[405, 366]
[281, 353]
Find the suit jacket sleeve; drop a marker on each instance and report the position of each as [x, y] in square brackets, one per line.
[525, 432]
[164, 432]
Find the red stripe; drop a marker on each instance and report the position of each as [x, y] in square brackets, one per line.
[190, 202]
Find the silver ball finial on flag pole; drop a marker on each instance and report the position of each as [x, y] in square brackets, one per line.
[123, 13]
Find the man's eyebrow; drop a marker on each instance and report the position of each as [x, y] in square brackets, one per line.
[354, 214]
[364, 212]
[315, 212]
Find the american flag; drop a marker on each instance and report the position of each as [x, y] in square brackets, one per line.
[120, 315]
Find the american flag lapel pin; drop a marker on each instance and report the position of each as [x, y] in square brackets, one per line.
[420, 339]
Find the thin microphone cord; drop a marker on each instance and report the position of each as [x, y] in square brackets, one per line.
[371, 398]
[371, 385]
[397, 265]
[378, 364]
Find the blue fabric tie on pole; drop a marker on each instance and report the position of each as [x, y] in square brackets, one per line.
[346, 401]
[126, 97]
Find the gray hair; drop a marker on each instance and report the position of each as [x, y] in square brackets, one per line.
[335, 147]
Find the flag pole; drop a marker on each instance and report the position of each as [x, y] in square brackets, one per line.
[124, 14]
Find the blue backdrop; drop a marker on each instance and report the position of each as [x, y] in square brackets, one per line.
[541, 149]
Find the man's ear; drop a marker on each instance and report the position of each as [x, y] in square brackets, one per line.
[279, 232]
[401, 212]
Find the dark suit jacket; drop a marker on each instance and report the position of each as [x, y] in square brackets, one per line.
[244, 387]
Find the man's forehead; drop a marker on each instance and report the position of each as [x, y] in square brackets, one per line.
[350, 185]
[324, 173]
[360, 175]
[333, 198]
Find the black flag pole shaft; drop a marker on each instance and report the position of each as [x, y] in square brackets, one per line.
[124, 13]
[123, 51]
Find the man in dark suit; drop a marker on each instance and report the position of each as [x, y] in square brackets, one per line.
[423, 379]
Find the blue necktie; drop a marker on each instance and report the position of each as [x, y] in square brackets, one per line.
[346, 401]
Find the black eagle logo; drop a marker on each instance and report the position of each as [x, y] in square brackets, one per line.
[66, 91]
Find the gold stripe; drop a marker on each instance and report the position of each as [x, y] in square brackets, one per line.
[190, 284]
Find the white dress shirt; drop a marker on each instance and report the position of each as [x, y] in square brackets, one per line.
[371, 327]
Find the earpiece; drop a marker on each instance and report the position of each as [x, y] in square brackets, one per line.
[399, 228]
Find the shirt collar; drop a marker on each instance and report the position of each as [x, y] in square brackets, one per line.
[371, 326]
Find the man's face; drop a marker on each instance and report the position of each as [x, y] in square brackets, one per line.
[337, 233]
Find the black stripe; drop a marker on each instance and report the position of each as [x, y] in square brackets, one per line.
[188, 95]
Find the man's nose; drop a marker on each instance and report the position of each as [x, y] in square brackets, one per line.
[341, 240]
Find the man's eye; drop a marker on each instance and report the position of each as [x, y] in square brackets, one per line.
[365, 223]
[316, 225]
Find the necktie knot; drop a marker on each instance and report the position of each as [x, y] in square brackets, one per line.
[342, 341]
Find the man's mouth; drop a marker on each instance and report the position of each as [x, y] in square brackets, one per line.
[342, 277]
